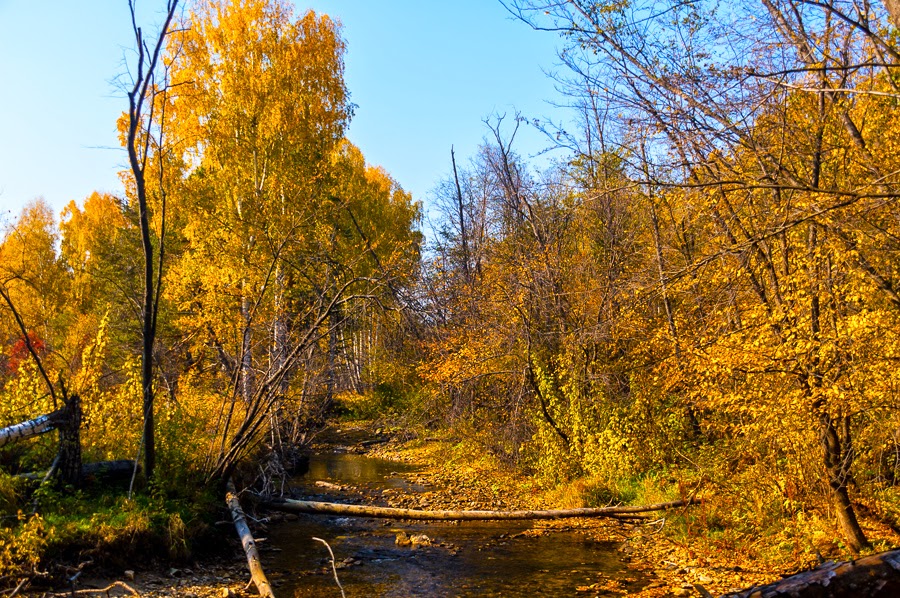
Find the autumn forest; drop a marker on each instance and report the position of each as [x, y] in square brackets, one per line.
[697, 298]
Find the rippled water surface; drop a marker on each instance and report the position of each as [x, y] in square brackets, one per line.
[467, 559]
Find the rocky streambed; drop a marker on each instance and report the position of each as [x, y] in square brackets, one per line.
[390, 558]
[404, 558]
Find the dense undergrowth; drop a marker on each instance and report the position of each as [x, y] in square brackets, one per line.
[48, 530]
[744, 521]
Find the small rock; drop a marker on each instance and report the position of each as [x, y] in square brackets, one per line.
[680, 592]
[173, 572]
[291, 517]
[402, 539]
[420, 540]
[129, 575]
[329, 485]
[228, 593]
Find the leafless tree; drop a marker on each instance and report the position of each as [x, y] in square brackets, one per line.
[147, 82]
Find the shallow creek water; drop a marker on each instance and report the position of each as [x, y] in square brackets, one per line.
[466, 559]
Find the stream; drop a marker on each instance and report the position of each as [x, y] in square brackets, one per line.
[464, 559]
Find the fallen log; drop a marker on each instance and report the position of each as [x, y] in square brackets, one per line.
[33, 427]
[873, 576]
[101, 470]
[240, 523]
[329, 508]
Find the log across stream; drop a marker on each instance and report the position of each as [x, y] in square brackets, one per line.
[475, 558]
[313, 507]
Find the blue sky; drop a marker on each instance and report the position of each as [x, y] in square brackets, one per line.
[424, 74]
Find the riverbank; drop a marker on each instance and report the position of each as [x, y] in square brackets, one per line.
[464, 479]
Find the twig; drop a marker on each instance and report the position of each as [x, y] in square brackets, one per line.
[115, 584]
[333, 566]
[19, 587]
[50, 472]
[137, 459]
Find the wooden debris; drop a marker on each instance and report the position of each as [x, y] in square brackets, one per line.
[33, 427]
[873, 576]
[102, 470]
[253, 562]
[327, 508]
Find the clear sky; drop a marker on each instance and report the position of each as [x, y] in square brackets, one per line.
[423, 73]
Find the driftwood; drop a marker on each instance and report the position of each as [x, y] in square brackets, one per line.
[253, 562]
[877, 575]
[328, 508]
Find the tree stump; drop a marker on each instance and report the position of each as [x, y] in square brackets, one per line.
[70, 443]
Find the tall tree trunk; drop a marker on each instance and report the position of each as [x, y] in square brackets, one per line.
[334, 321]
[838, 456]
[247, 378]
[280, 329]
[461, 214]
[138, 145]
[893, 8]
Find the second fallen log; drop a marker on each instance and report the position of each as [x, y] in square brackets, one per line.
[253, 563]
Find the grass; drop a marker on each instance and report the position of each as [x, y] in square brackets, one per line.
[103, 526]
